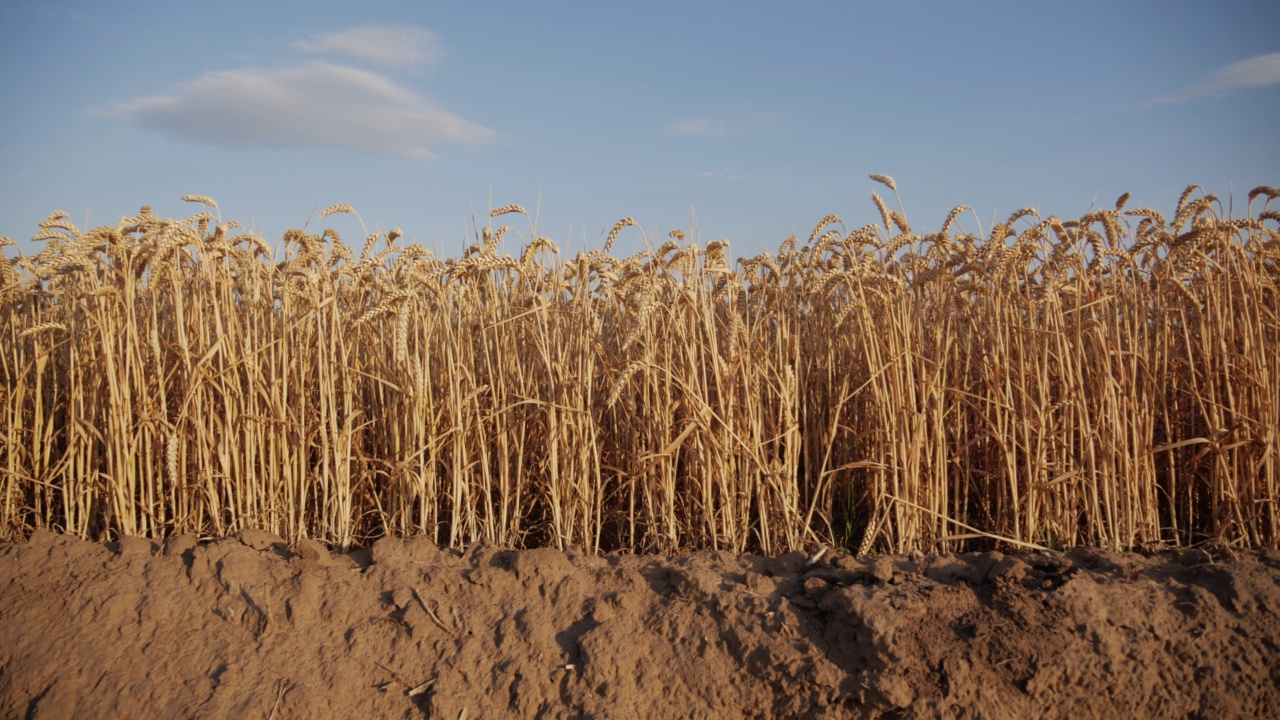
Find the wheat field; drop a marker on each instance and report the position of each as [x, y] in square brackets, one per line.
[1111, 381]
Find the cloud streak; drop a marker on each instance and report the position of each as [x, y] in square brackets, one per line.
[1254, 72]
[394, 46]
[319, 104]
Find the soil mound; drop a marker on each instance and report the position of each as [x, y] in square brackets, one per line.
[247, 627]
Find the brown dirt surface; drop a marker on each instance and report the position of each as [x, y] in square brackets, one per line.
[245, 627]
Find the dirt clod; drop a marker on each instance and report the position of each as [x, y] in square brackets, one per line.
[130, 546]
[882, 569]
[259, 539]
[1008, 570]
[313, 550]
[179, 545]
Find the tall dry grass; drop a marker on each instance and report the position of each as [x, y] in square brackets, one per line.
[1112, 380]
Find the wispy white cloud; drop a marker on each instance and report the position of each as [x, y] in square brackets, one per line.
[1254, 72]
[728, 175]
[702, 127]
[318, 105]
[396, 46]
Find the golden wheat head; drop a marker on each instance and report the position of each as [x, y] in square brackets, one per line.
[339, 208]
[884, 180]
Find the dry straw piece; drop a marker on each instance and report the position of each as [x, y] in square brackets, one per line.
[1052, 384]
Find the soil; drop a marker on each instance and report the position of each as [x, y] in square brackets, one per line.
[245, 627]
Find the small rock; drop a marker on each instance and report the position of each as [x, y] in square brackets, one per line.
[259, 539]
[881, 569]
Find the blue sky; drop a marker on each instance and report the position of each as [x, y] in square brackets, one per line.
[757, 118]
